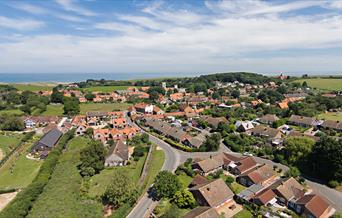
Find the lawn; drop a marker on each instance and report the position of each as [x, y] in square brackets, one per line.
[106, 88]
[19, 171]
[244, 214]
[61, 196]
[237, 188]
[8, 142]
[331, 116]
[323, 83]
[58, 109]
[12, 112]
[185, 180]
[156, 163]
[99, 182]
[34, 87]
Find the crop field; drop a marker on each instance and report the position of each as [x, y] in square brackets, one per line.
[330, 84]
[34, 87]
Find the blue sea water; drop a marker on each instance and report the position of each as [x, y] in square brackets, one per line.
[77, 77]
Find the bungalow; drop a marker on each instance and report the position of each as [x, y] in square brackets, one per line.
[302, 121]
[270, 133]
[34, 121]
[198, 180]
[202, 212]
[266, 197]
[262, 175]
[314, 206]
[209, 165]
[214, 121]
[194, 142]
[268, 119]
[118, 155]
[288, 191]
[243, 126]
[48, 141]
[332, 124]
[216, 194]
[243, 165]
[98, 115]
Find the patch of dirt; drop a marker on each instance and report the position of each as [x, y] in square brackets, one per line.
[6, 198]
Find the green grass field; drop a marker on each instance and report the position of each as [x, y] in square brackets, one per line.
[323, 83]
[331, 116]
[8, 142]
[244, 214]
[105, 88]
[12, 112]
[58, 109]
[34, 87]
[99, 182]
[237, 188]
[185, 180]
[156, 163]
[19, 171]
[61, 196]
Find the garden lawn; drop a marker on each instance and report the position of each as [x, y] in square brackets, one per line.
[61, 196]
[53, 109]
[185, 180]
[331, 116]
[99, 182]
[322, 83]
[19, 171]
[8, 142]
[106, 88]
[244, 214]
[107, 107]
[34, 87]
[237, 188]
[12, 112]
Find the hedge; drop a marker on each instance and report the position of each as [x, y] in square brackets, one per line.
[4, 191]
[23, 202]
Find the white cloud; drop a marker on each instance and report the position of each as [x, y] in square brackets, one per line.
[69, 17]
[69, 5]
[20, 24]
[32, 9]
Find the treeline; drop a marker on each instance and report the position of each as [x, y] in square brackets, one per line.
[23, 202]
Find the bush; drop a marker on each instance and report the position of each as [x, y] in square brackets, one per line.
[333, 184]
[229, 180]
[23, 202]
[138, 151]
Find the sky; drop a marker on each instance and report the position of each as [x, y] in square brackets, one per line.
[183, 36]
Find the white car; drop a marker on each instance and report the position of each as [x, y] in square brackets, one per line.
[247, 154]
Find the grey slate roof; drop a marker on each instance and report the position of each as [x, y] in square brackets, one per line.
[51, 138]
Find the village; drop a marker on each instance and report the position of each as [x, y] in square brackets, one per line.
[221, 148]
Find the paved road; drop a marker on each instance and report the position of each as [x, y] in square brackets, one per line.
[174, 157]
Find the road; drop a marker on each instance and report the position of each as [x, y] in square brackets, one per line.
[174, 157]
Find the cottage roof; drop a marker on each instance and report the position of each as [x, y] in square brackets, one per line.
[315, 204]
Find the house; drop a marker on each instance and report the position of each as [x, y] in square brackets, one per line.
[243, 165]
[98, 115]
[186, 108]
[35, 121]
[262, 175]
[267, 132]
[194, 142]
[314, 206]
[176, 96]
[214, 121]
[48, 141]
[332, 124]
[283, 105]
[144, 108]
[266, 197]
[268, 119]
[118, 155]
[119, 123]
[302, 121]
[157, 111]
[202, 212]
[288, 191]
[101, 134]
[209, 165]
[216, 194]
[81, 129]
[198, 180]
[243, 126]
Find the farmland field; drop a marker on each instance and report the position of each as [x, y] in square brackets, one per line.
[105, 88]
[8, 143]
[61, 196]
[34, 87]
[323, 83]
[331, 116]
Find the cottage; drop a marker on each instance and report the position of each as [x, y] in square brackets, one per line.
[118, 155]
[268, 119]
[48, 141]
[302, 121]
[314, 206]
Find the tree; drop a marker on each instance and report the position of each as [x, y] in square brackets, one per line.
[56, 96]
[293, 172]
[92, 159]
[166, 184]
[11, 123]
[71, 106]
[212, 143]
[89, 96]
[184, 199]
[172, 212]
[235, 93]
[121, 190]
[297, 149]
[138, 151]
[229, 180]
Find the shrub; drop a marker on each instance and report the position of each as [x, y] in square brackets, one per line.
[333, 184]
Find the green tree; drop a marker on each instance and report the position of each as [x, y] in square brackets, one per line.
[166, 184]
[89, 96]
[11, 123]
[235, 93]
[56, 96]
[293, 172]
[184, 199]
[71, 106]
[212, 142]
[92, 159]
[297, 149]
[121, 190]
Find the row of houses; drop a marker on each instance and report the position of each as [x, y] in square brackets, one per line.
[264, 186]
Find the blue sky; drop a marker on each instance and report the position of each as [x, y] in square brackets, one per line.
[122, 36]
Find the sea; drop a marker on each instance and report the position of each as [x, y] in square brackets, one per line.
[78, 77]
